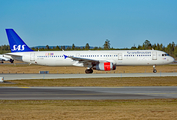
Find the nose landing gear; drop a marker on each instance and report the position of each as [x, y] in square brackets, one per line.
[154, 69]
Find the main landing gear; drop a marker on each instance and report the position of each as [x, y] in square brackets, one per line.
[154, 69]
[89, 71]
[12, 61]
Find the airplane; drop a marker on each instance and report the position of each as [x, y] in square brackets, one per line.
[104, 60]
[2, 59]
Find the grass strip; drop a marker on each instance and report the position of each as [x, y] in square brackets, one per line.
[89, 109]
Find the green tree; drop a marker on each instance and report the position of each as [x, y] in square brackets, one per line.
[169, 49]
[63, 47]
[140, 47]
[73, 47]
[154, 47]
[47, 47]
[173, 46]
[33, 48]
[68, 48]
[133, 47]
[95, 48]
[158, 46]
[87, 47]
[147, 44]
[57, 48]
[175, 51]
[161, 47]
[107, 44]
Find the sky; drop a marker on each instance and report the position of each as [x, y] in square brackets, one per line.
[65, 22]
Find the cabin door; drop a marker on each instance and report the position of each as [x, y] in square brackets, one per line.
[154, 55]
[32, 56]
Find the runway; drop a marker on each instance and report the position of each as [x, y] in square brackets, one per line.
[58, 76]
[86, 93]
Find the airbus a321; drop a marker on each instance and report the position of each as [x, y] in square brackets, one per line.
[104, 60]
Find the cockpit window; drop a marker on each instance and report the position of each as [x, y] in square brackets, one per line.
[165, 54]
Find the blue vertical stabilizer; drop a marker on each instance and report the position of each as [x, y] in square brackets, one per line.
[16, 43]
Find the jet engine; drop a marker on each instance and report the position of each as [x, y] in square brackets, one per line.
[105, 66]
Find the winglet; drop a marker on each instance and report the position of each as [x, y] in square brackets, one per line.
[16, 43]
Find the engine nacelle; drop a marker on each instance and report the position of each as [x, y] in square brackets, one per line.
[105, 66]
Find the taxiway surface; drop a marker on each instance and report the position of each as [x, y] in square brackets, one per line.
[58, 76]
[86, 93]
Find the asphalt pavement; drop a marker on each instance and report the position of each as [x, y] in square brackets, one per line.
[86, 93]
[58, 76]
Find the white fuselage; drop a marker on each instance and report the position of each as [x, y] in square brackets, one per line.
[2, 58]
[117, 57]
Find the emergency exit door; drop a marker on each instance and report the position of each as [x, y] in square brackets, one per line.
[119, 56]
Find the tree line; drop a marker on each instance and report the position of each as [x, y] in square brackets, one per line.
[171, 48]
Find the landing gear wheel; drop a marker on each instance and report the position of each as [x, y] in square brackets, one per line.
[154, 70]
[89, 71]
[12, 61]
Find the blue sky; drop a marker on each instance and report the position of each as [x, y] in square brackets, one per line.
[64, 22]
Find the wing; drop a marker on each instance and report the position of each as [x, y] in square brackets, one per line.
[14, 56]
[83, 61]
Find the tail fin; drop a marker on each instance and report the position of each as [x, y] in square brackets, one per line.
[16, 43]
